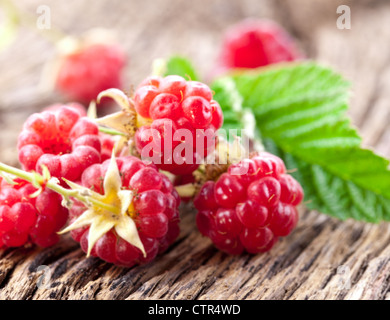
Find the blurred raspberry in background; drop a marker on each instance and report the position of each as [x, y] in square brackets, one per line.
[255, 43]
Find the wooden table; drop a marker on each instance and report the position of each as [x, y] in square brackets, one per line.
[323, 259]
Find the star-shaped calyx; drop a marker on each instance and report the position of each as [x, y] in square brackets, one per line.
[112, 210]
[125, 121]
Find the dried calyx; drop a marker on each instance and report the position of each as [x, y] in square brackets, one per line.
[125, 121]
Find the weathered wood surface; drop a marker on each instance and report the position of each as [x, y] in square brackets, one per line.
[323, 259]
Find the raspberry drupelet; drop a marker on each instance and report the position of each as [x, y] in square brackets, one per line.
[250, 206]
[25, 219]
[61, 139]
[143, 221]
[181, 118]
[108, 143]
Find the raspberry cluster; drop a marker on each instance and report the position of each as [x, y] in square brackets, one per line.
[25, 219]
[62, 139]
[154, 210]
[180, 113]
[124, 209]
[250, 206]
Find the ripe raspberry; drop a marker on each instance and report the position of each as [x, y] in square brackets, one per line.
[29, 220]
[154, 210]
[107, 142]
[256, 43]
[87, 72]
[60, 139]
[74, 105]
[250, 206]
[183, 121]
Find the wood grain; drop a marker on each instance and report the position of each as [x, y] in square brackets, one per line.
[322, 259]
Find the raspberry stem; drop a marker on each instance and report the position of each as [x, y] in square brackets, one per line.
[111, 131]
[37, 179]
[30, 177]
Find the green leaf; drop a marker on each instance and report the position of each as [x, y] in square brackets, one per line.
[235, 116]
[225, 92]
[300, 111]
[180, 66]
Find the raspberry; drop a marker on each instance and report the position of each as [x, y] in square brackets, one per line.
[179, 113]
[250, 206]
[151, 81]
[107, 145]
[153, 209]
[74, 105]
[60, 139]
[90, 70]
[256, 43]
[26, 220]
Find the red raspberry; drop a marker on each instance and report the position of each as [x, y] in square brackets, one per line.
[256, 43]
[74, 105]
[154, 211]
[29, 220]
[184, 119]
[250, 206]
[87, 72]
[151, 81]
[60, 139]
[108, 143]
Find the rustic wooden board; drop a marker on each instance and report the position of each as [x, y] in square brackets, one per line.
[322, 259]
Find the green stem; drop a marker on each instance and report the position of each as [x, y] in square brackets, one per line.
[84, 199]
[111, 131]
[33, 177]
[28, 176]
